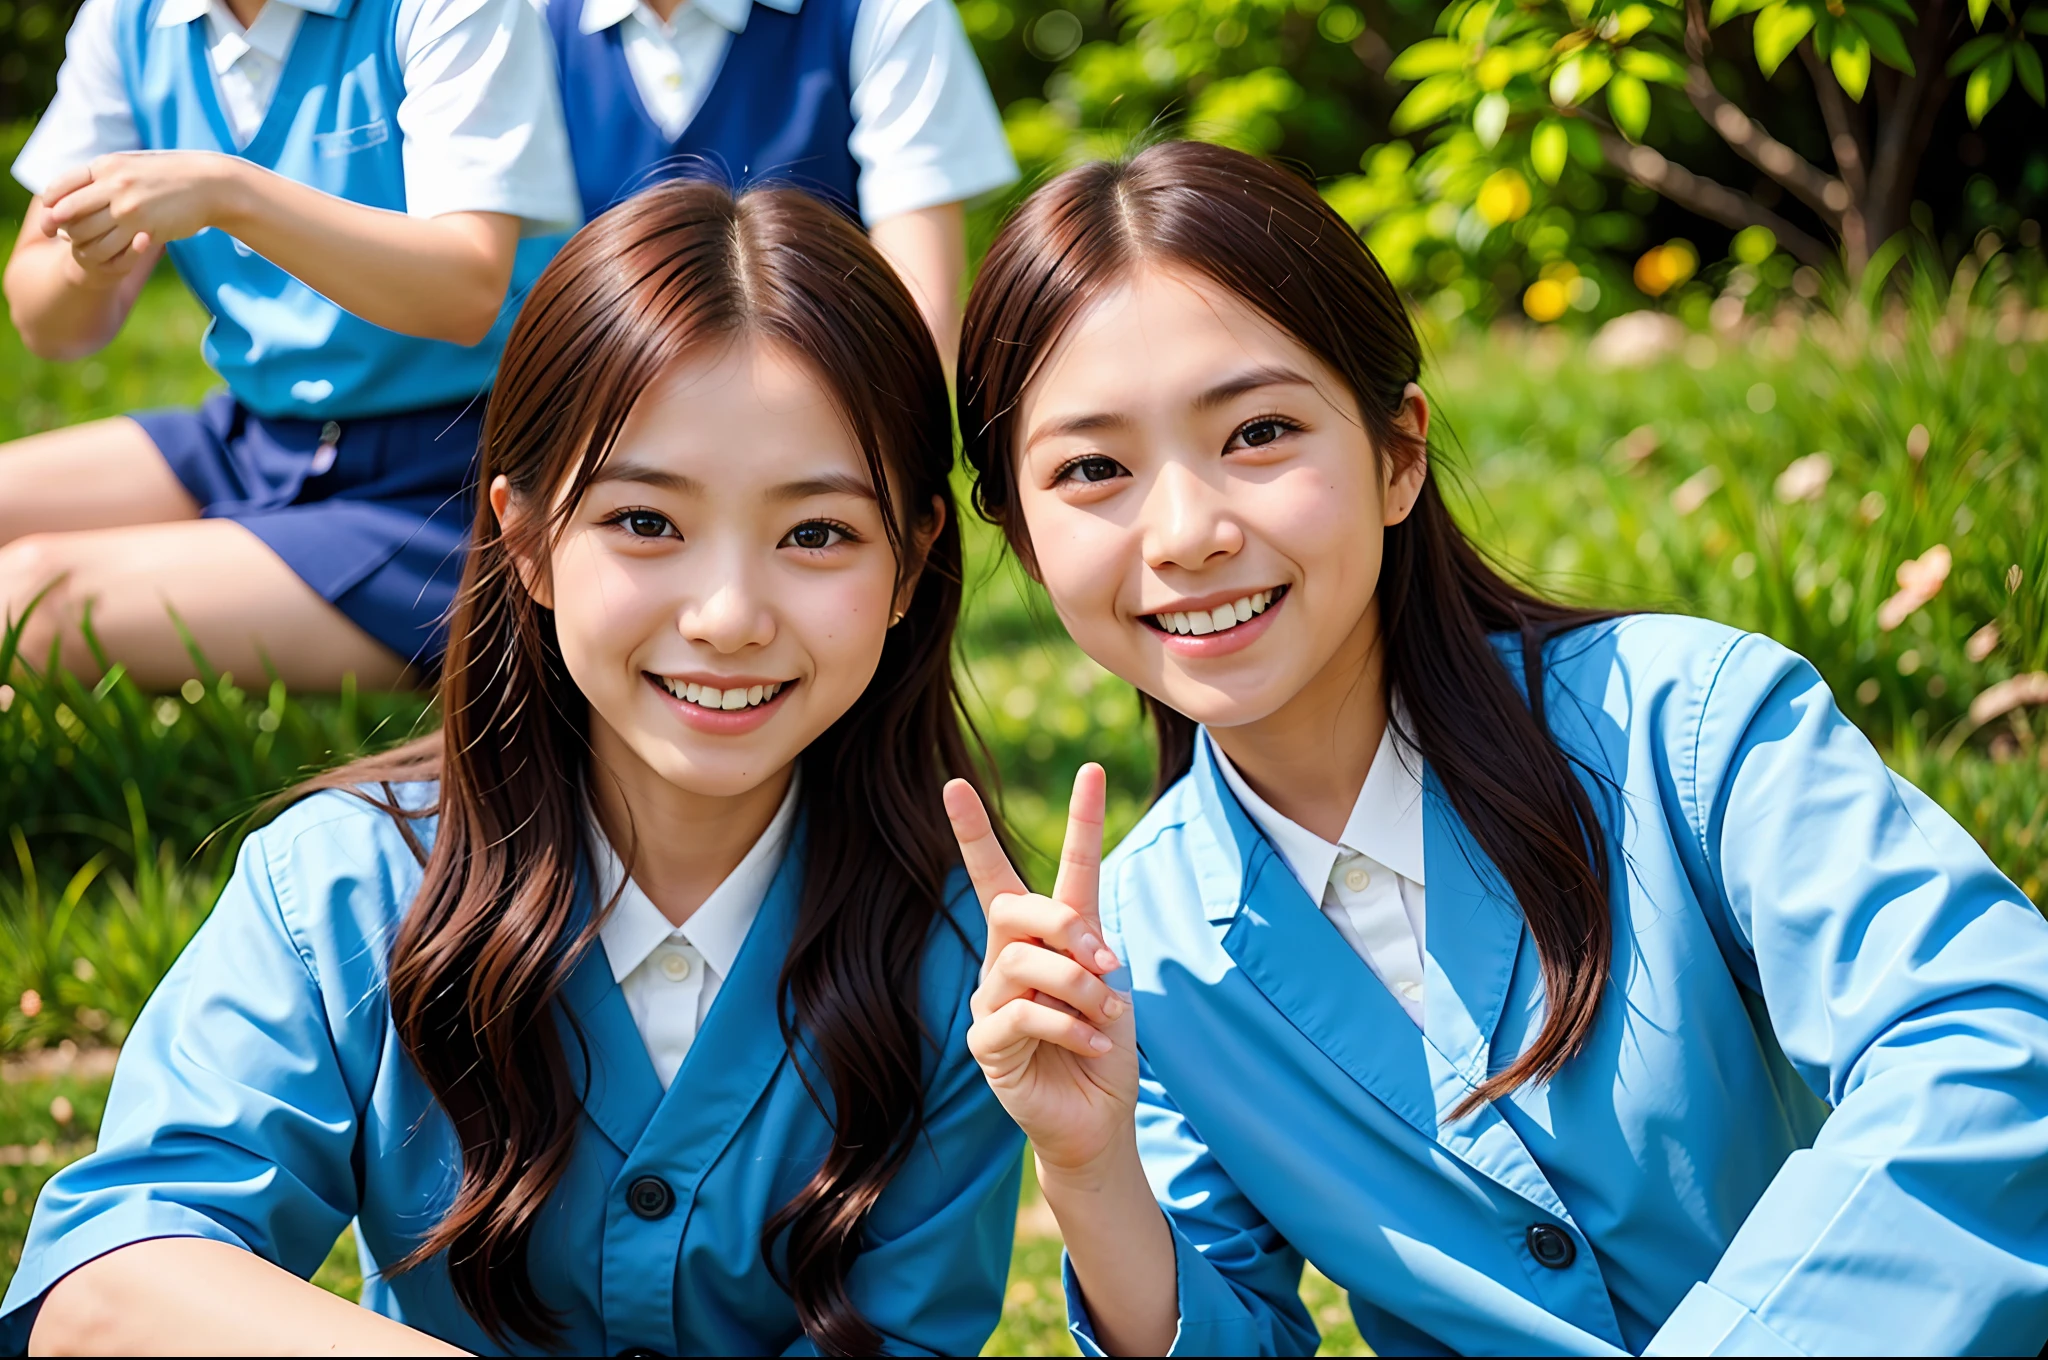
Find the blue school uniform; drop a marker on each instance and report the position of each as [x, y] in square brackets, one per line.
[1812, 1116]
[263, 1100]
[780, 108]
[302, 373]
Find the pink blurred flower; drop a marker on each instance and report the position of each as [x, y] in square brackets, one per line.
[1920, 580]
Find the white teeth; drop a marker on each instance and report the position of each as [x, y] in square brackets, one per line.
[1217, 620]
[724, 700]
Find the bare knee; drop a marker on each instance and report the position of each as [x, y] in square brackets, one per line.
[41, 598]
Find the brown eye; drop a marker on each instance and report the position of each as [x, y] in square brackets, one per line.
[1096, 469]
[1261, 432]
[644, 523]
[815, 536]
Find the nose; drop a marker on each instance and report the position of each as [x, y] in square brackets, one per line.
[1187, 522]
[732, 614]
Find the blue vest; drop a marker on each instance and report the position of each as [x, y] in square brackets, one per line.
[284, 349]
[781, 107]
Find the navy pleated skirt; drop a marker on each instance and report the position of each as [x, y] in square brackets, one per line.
[374, 514]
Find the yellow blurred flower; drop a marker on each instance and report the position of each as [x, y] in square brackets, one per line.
[1504, 197]
[1662, 268]
[1546, 300]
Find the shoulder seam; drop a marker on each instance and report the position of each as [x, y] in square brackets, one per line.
[1698, 808]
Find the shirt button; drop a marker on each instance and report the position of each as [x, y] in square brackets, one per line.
[1356, 879]
[650, 1198]
[1551, 1246]
[675, 965]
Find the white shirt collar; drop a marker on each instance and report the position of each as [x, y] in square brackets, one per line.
[731, 15]
[1385, 822]
[277, 23]
[636, 927]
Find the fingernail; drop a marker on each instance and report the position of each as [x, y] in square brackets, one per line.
[1106, 962]
[1114, 1006]
[1100, 1044]
[1090, 944]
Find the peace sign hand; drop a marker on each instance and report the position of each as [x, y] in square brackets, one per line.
[1057, 1044]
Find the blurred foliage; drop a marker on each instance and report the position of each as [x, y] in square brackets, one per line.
[31, 47]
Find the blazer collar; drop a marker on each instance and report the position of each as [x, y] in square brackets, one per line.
[1295, 956]
[736, 1053]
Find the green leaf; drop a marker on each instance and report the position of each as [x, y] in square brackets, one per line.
[1652, 66]
[1978, 9]
[1900, 10]
[1778, 31]
[1548, 147]
[1885, 41]
[1430, 101]
[1632, 20]
[1974, 51]
[1988, 84]
[1851, 62]
[2035, 20]
[1431, 56]
[1628, 99]
[1724, 10]
[1490, 119]
[1577, 77]
[2026, 64]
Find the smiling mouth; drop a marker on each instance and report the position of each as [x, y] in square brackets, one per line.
[720, 700]
[1221, 619]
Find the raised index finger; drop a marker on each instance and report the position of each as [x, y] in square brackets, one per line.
[1081, 855]
[982, 854]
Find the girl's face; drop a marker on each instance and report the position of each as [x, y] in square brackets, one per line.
[1203, 502]
[723, 590]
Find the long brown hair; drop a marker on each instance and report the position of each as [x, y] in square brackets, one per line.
[482, 956]
[1267, 236]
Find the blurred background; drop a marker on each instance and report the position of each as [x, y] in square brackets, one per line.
[1736, 309]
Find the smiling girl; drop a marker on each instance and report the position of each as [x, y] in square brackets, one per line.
[626, 1013]
[1557, 983]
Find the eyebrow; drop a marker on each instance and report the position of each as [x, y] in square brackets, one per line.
[1226, 391]
[825, 484]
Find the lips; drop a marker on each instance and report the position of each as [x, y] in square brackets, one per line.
[1221, 619]
[721, 700]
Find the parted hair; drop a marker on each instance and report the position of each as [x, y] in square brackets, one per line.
[1255, 229]
[478, 966]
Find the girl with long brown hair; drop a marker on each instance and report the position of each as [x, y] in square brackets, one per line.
[1556, 982]
[626, 1013]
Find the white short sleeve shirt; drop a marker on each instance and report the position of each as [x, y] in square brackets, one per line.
[670, 973]
[481, 122]
[1370, 884]
[925, 132]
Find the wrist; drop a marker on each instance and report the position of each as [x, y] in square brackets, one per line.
[1116, 1168]
[230, 196]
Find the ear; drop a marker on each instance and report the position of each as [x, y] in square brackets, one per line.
[922, 535]
[511, 515]
[1404, 486]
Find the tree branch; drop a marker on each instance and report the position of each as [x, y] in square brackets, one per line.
[1903, 128]
[1653, 170]
[1845, 137]
[1750, 139]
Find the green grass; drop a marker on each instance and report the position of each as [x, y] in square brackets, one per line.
[1656, 486]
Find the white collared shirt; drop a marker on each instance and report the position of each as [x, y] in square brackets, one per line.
[481, 122]
[1370, 884]
[925, 132]
[671, 973]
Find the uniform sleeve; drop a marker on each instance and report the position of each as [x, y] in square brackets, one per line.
[1907, 982]
[931, 1275]
[90, 115]
[1238, 1280]
[925, 127]
[481, 115]
[228, 1119]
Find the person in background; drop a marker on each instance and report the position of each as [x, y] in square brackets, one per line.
[878, 106]
[360, 193]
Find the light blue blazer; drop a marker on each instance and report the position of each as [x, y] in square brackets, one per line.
[263, 1101]
[1812, 1117]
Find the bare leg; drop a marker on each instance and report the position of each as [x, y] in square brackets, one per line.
[246, 609]
[100, 475]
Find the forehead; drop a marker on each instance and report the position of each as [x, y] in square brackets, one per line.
[747, 409]
[1172, 330]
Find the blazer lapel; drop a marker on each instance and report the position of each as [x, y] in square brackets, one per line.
[610, 1064]
[739, 1050]
[1283, 943]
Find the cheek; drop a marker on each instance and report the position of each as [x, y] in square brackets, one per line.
[1325, 521]
[840, 620]
[1082, 558]
[606, 604]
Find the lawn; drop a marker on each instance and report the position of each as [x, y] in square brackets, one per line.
[1776, 474]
